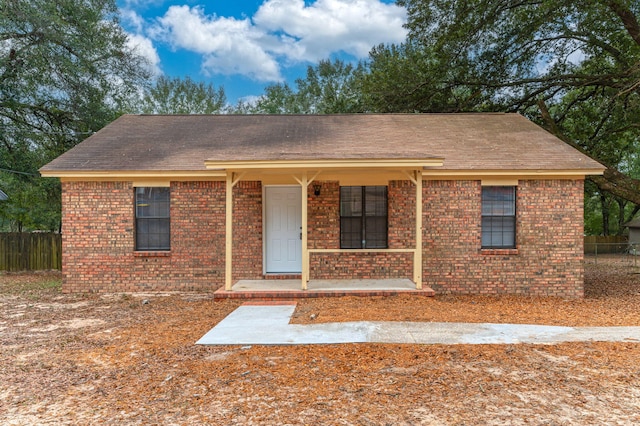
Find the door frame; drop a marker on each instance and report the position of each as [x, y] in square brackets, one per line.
[264, 227]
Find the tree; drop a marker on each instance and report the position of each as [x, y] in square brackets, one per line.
[408, 78]
[277, 99]
[65, 71]
[572, 66]
[329, 87]
[183, 96]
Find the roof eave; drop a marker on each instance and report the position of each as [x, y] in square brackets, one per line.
[133, 174]
[515, 172]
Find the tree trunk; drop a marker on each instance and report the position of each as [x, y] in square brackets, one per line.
[621, 205]
[604, 203]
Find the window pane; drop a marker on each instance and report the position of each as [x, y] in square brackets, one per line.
[351, 201]
[376, 200]
[498, 231]
[498, 201]
[152, 234]
[376, 232]
[351, 232]
[152, 202]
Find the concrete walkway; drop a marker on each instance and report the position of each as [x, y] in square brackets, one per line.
[269, 325]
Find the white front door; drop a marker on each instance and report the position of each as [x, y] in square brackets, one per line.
[283, 220]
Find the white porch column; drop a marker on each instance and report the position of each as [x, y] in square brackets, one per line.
[228, 267]
[417, 258]
[304, 184]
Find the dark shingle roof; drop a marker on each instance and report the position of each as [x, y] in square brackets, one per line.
[184, 142]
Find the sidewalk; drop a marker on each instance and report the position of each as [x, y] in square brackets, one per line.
[269, 325]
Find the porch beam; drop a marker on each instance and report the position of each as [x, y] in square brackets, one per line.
[312, 178]
[412, 176]
[417, 257]
[236, 178]
[304, 183]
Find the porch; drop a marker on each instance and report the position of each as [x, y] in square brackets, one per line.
[288, 289]
[298, 227]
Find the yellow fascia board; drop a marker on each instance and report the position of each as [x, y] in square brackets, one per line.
[392, 163]
[509, 174]
[499, 182]
[128, 175]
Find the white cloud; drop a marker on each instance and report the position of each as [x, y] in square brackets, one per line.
[132, 19]
[137, 42]
[144, 47]
[228, 45]
[327, 26]
[281, 30]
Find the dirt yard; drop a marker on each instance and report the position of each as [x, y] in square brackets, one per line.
[122, 359]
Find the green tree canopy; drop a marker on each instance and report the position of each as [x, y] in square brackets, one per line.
[182, 96]
[329, 87]
[573, 66]
[65, 71]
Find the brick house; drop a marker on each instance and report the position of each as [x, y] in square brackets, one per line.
[462, 203]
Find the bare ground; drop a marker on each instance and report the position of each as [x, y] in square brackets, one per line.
[113, 359]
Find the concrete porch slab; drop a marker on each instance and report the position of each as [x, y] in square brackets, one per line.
[292, 289]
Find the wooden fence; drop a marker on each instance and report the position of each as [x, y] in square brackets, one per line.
[597, 244]
[30, 251]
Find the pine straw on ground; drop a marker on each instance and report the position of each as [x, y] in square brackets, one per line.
[612, 298]
[113, 359]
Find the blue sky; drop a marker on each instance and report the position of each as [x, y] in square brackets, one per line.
[244, 45]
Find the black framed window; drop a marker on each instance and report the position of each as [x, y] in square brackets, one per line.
[363, 217]
[153, 223]
[498, 217]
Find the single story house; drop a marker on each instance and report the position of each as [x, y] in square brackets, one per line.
[462, 203]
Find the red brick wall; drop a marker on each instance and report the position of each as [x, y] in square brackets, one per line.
[364, 265]
[324, 216]
[324, 233]
[98, 239]
[548, 258]
[247, 230]
[197, 236]
[97, 234]
[402, 214]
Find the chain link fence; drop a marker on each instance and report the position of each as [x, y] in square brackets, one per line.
[623, 253]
